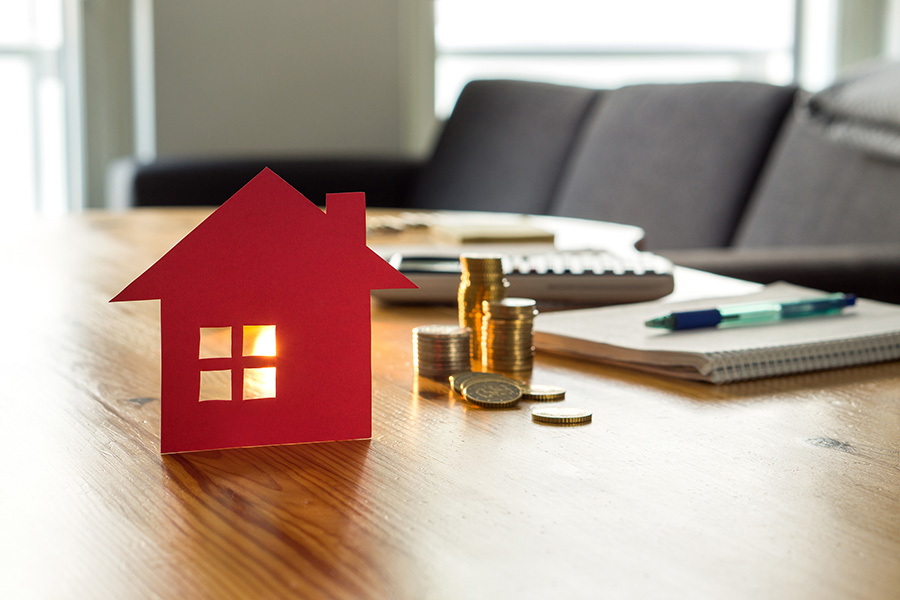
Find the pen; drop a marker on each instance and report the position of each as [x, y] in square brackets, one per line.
[761, 312]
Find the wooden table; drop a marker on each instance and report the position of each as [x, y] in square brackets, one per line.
[781, 488]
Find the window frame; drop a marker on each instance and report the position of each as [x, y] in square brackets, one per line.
[238, 361]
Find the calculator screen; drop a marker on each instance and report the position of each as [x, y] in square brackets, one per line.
[428, 264]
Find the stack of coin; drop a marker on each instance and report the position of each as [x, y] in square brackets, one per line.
[440, 350]
[481, 280]
[506, 343]
[459, 381]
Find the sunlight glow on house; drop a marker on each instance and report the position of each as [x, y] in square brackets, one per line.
[259, 340]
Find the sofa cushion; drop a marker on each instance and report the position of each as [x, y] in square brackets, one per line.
[503, 147]
[862, 110]
[678, 160]
[211, 181]
[834, 178]
[868, 270]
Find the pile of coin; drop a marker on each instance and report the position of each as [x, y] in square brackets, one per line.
[495, 334]
[440, 350]
[495, 390]
[481, 280]
[506, 342]
[488, 390]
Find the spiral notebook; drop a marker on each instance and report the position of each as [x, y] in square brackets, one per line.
[866, 333]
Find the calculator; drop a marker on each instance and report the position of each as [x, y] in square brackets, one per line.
[575, 277]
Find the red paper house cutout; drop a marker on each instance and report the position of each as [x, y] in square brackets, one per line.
[268, 260]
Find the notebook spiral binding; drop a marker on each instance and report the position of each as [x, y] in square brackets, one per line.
[739, 365]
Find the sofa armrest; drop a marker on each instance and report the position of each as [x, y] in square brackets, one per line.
[209, 182]
[870, 271]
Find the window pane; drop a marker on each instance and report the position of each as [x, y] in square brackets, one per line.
[607, 44]
[215, 342]
[215, 385]
[612, 24]
[51, 141]
[259, 340]
[259, 383]
[17, 143]
[17, 21]
[32, 108]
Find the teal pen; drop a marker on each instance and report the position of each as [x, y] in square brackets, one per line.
[760, 312]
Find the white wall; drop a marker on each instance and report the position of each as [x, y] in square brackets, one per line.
[106, 88]
[892, 30]
[282, 76]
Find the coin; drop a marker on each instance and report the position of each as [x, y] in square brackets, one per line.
[492, 393]
[487, 377]
[560, 415]
[459, 381]
[440, 331]
[481, 279]
[543, 393]
[439, 350]
[507, 329]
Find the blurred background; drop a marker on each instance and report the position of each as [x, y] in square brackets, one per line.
[85, 82]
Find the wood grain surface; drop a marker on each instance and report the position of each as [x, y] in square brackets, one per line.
[780, 488]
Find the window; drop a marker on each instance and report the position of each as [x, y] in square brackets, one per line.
[33, 68]
[251, 369]
[609, 43]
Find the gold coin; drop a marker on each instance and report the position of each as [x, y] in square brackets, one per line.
[492, 393]
[543, 393]
[440, 331]
[560, 415]
[459, 381]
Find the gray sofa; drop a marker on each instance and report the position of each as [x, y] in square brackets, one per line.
[751, 180]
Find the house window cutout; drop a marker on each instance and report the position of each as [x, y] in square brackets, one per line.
[259, 340]
[253, 367]
[215, 385]
[259, 383]
[215, 342]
